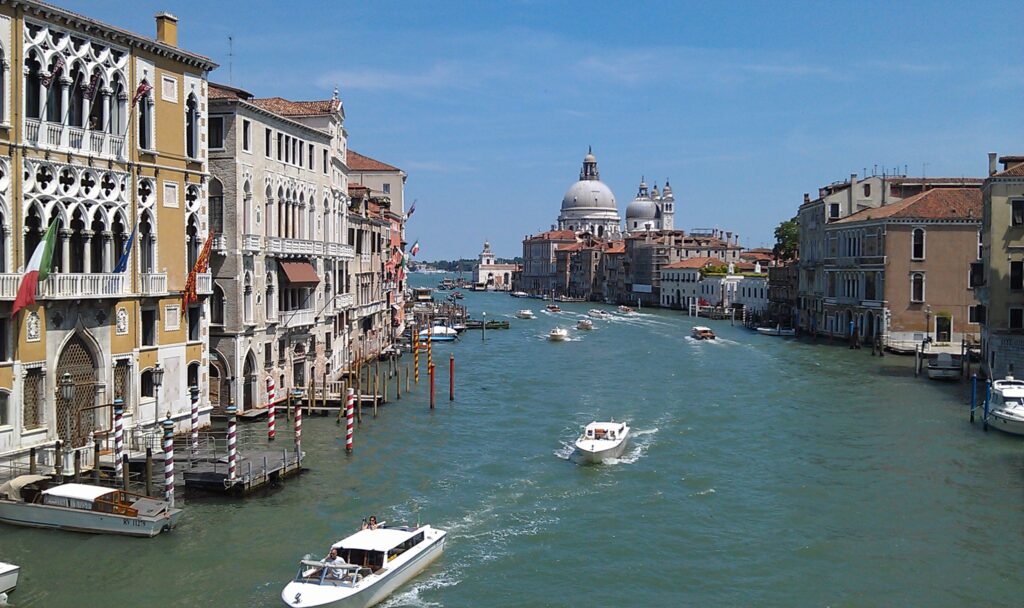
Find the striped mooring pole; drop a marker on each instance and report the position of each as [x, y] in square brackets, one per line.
[169, 460]
[416, 353]
[350, 412]
[271, 407]
[194, 394]
[430, 346]
[232, 410]
[118, 438]
[298, 434]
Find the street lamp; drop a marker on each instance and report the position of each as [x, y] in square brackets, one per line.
[927, 322]
[483, 327]
[66, 387]
[158, 379]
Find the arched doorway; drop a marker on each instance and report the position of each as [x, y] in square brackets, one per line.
[869, 325]
[217, 389]
[249, 390]
[76, 418]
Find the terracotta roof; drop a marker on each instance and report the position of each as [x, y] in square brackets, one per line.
[223, 91]
[616, 247]
[1016, 170]
[934, 180]
[570, 247]
[936, 204]
[757, 256]
[554, 235]
[698, 262]
[358, 162]
[285, 107]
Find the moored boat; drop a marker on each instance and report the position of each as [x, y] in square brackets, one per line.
[369, 566]
[602, 440]
[585, 324]
[438, 333]
[8, 578]
[525, 313]
[1006, 405]
[519, 294]
[27, 501]
[700, 332]
[776, 331]
[558, 334]
[944, 366]
[597, 313]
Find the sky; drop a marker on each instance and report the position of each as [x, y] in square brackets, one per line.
[490, 106]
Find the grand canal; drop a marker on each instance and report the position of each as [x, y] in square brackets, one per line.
[764, 472]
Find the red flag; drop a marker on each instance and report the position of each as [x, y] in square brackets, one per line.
[90, 91]
[144, 87]
[189, 295]
[58, 66]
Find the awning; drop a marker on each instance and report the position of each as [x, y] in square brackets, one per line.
[300, 274]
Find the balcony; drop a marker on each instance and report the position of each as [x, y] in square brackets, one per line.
[342, 301]
[252, 242]
[220, 243]
[65, 138]
[153, 283]
[296, 318]
[9, 283]
[204, 284]
[284, 246]
[78, 286]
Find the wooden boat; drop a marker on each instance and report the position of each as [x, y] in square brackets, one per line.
[8, 579]
[27, 501]
[370, 566]
[602, 440]
[700, 332]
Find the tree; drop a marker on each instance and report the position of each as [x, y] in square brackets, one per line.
[787, 240]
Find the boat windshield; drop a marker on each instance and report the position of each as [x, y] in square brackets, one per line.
[324, 572]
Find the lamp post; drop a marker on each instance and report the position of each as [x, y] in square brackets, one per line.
[927, 322]
[483, 327]
[158, 379]
[66, 390]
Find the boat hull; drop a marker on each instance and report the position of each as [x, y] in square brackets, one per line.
[8, 577]
[587, 450]
[76, 520]
[1000, 421]
[944, 373]
[313, 595]
[768, 331]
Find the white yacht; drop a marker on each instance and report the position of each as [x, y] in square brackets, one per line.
[597, 313]
[585, 324]
[558, 334]
[27, 501]
[777, 331]
[439, 333]
[526, 313]
[602, 440]
[370, 565]
[626, 310]
[1006, 405]
[8, 579]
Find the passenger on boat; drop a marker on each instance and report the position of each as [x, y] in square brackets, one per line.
[370, 525]
[333, 559]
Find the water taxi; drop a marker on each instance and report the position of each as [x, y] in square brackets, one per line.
[370, 565]
[554, 308]
[597, 313]
[626, 310]
[585, 324]
[439, 333]
[1006, 405]
[699, 332]
[8, 579]
[458, 295]
[602, 440]
[776, 331]
[26, 501]
[525, 314]
[558, 334]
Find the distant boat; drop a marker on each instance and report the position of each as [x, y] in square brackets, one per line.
[558, 334]
[944, 366]
[8, 579]
[519, 294]
[438, 333]
[554, 308]
[626, 310]
[526, 313]
[597, 313]
[458, 295]
[699, 332]
[602, 440]
[585, 324]
[776, 331]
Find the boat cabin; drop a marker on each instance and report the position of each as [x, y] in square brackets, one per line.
[32, 489]
[701, 332]
[1008, 392]
[422, 294]
[603, 431]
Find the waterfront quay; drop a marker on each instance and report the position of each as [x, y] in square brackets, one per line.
[763, 472]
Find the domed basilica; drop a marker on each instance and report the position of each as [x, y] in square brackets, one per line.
[589, 205]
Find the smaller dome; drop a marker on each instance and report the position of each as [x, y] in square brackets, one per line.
[641, 209]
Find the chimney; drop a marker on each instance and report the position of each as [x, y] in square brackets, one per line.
[728, 237]
[807, 198]
[167, 28]
[992, 163]
[737, 241]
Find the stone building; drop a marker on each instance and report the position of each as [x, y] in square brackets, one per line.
[651, 210]
[782, 294]
[105, 134]
[539, 262]
[496, 277]
[589, 205]
[998, 278]
[280, 258]
[371, 323]
[681, 282]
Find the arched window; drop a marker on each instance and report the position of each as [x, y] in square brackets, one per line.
[216, 207]
[217, 306]
[917, 287]
[192, 378]
[147, 243]
[269, 298]
[77, 242]
[148, 390]
[76, 97]
[3, 242]
[54, 100]
[192, 126]
[119, 239]
[145, 112]
[917, 247]
[3, 86]
[247, 209]
[95, 253]
[247, 298]
[92, 94]
[117, 109]
[192, 241]
[33, 87]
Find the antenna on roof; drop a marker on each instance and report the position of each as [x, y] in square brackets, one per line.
[231, 59]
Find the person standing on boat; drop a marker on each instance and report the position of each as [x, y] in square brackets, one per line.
[331, 562]
[370, 525]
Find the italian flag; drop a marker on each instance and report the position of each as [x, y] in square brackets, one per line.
[415, 248]
[37, 270]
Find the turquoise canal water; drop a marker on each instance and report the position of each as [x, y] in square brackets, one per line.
[763, 472]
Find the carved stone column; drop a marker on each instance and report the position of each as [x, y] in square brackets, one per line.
[87, 250]
[108, 250]
[65, 250]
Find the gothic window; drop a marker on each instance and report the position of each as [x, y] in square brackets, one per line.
[3, 242]
[3, 86]
[95, 244]
[216, 206]
[54, 109]
[191, 126]
[32, 400]
[192, 241]
[76, 97]
[268, 213]
[217, 304]
[269, 298]
[147, 243]
[145, 112]
[77, 242]
[120, 238]
[247, 211]
[117, 104]
[92, 93]
[247, 298]
[33, 88]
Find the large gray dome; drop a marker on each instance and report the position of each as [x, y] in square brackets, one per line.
[588, 194]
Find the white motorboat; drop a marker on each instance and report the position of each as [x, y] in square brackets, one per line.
[776, 331]
[585, 324]
[944, 366]
[626, 310]
[526, 313]
[597, 313]
[26, 501]
[8, 578]
[554, 308]
[602, 440]
[519, 294]
[370, 565]
[700, 332]
[439, 333]
[1006, 406]
[558, 334]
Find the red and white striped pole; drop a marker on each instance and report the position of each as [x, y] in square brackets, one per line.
[169, 461]
[195, 421]
[271, 407]
[298, 434]
[232, 442]
[350, 411]
[118, 439]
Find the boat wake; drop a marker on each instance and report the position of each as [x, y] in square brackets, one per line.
[565, 452]
[412, 596]
[640, 441]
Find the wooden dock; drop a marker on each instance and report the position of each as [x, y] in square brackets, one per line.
[256, 469]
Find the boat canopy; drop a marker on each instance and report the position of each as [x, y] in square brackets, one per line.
[381, 539]
[12, 488]
[78, 491]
